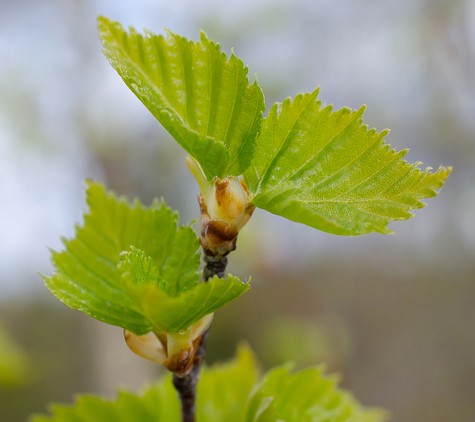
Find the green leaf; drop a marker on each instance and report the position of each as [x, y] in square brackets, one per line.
[139, 269]
[173, 313]
[157, 403]
[229, 392]
[134, 267]
[326, 169]
[177, 313]
[303, 396]
[223, 389]
[201, 96]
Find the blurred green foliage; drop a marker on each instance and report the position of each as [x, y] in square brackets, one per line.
[13, 362]
[228, 392]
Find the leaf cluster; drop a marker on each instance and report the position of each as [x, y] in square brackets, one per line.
[232, 392]
[303, 161]
[135, 267]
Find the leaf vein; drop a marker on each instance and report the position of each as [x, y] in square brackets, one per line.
[269, 166]
[318, 155]
[378, 171]
[346, 165]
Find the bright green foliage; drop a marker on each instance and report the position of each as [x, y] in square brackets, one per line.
[134, 267]
[326, 169]
[309, 164]
[170, 310]
[229, 393]
[203, 98]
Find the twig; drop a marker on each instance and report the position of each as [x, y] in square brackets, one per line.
[186, 385]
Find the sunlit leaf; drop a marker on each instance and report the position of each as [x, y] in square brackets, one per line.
[133, 266]
[201, 96]
[173, 310]
[326, 169]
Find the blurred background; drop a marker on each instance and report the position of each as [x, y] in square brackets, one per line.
[394, 315]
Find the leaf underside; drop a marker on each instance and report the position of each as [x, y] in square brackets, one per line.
[229, 392]
[134, 267]
[201, 96]
[326, 169]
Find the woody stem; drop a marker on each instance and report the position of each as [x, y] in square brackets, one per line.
[186, 385]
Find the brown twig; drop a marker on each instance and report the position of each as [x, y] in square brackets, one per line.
[186, 385]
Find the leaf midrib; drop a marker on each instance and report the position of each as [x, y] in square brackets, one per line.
[267, 170]
[245, 139]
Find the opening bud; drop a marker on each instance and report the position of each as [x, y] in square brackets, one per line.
[175, 351]
[225, 209]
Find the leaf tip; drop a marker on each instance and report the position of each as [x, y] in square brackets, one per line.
[103, 23]
[444, 171]
[203, 36]
[106, 26]
[101, 20]
[362, 109]
[207, 41]
[315, 92]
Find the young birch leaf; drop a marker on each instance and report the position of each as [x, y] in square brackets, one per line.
[201, 96]
[175, 314]
[162, 272]
[303, 396]
[169, 309]
[87, 276]
[215, 403]
[326, 169]
[158, 403]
